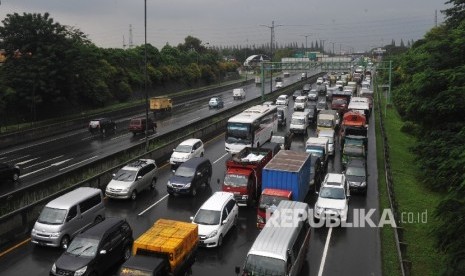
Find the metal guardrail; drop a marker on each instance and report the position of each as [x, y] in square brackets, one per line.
[405, 264]
[17, 223]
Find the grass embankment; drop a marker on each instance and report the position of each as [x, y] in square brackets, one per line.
[416, 202]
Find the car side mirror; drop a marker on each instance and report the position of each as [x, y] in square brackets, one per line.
[114, 174]
[103, 252]
[174, 149]
[191, 218]
[316, 192]
[225, 221]
[139, 177]
[199, 173]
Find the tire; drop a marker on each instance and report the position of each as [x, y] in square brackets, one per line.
[153, 183]
[201, 154]
[64, 242]
[209, 180]
[15, 177]
[235, 222]
[134, 195]
[98, 219]
[220, 240]
[126, 252]
[104, 131]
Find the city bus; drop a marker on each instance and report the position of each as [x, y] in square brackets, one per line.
[251, 128]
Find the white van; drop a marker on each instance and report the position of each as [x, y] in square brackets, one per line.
[299, 122]
[239, 94]
[330, 134]
[66, 216]
[282, 245]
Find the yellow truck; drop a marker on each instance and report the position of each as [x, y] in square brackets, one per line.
[160, 105]
[167, 248]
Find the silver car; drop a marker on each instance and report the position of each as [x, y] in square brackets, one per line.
[133, 179]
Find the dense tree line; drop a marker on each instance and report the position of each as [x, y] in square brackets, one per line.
[51, 69]
[430, 78]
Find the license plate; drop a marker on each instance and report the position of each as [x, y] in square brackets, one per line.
[176, 189]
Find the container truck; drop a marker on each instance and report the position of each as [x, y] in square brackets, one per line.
[244, 174]
[286, 176]
[159, 105]
[167, 248]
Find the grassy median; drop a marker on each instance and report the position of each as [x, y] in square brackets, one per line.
[416, 202]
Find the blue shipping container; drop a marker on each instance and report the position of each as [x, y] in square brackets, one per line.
[288, 170]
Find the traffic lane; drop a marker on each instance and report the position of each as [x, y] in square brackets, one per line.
[357, 250]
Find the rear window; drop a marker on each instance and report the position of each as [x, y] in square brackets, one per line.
[136, 122]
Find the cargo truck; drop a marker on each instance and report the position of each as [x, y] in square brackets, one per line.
[167, 248]
[159, 105]
[244, 174]
[286, 176]
[319, 146]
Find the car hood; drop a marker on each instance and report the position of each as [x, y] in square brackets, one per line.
[46, 228]
[356, 179]
[205, 230]
[180, 155]
[174, 179]
[331, 203]
[117, 184]
[72, 262]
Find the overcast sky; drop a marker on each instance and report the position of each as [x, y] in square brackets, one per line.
[344, 24]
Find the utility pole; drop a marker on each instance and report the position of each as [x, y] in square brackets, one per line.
[145, 79]
[306, 36]
[322, 42]
[271, 54]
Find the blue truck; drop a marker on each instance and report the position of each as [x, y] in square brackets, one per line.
[286, 176]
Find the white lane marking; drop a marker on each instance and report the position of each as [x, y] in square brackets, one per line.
[193, 120]
[87, 138]
[41, 143]
[121, 136]
[229, 102]
[27, 161]
[2, 157]
[61, 162]
[220, 158]
[325, 252]
[12, 160]
[153, 205]
[93, 157]
[40, 163]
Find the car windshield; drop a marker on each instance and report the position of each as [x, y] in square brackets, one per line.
[300, 100]
[339, 101]
[350, 150]
[207, 217]
[332, 193]
[297, 93]
[184, 171]
[325, 123]
[52, 216]
[269, 201]
[355, 171]
[264, 266]
[277, 139]
[330, 138]
[282, 98]
[183, 148]
[297, 121]
[125, 175]
[239, 133]
[235, 180]
[316, 151]
[80, 246]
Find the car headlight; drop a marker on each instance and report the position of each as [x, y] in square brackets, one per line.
[55, 235]
[125, 190]
[169, 184]
[54, 268]
[33, 231]
[318, 209]
[212, 234]
[260, 219]
[81, 271]
[188, 185]
[363, 184]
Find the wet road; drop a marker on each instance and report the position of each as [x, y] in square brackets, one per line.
[333, 251]
[45, 158]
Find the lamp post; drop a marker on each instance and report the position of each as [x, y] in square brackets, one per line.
[271, 51]
[306, 36]
[145, 79]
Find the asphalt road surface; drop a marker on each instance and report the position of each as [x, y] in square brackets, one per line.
[333, 251]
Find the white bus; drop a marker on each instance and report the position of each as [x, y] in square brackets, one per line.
[251, 128]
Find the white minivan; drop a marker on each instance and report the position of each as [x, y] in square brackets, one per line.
[185, 151]
[239, 94]
[215, 218]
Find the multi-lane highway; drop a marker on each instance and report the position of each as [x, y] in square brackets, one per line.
[333, 251]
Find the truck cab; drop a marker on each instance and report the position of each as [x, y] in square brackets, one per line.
[269, 200]
[299, 122]
[244, 174]
[319, 147]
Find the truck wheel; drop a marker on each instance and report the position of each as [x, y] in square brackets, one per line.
[153, 183]
[126, 252]
[220, 240]
[209, 179]
[15, 176]
[134, 195]
[194, 191]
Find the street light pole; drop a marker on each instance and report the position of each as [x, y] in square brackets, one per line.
[145, 80]
[271, 52]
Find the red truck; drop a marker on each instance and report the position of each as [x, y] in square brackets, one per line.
[270, 199]
[353, 124]
[244, 174]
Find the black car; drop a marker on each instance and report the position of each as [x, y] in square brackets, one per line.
[307, 87]
[311, 114]
[297, 93]
[189, 176]
[356, 175]
[96, 250]
[283, 140]
[317, 173]
[102, 126]
[9, 172]
[313, 95]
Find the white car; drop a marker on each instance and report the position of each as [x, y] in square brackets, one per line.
[185, 151]
[239, 93]
[279, 84]
[319, 80]
[333, 198]
[215, 218]
[300, 103]
[282, 100]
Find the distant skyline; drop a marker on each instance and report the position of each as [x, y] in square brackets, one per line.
[357, 25]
